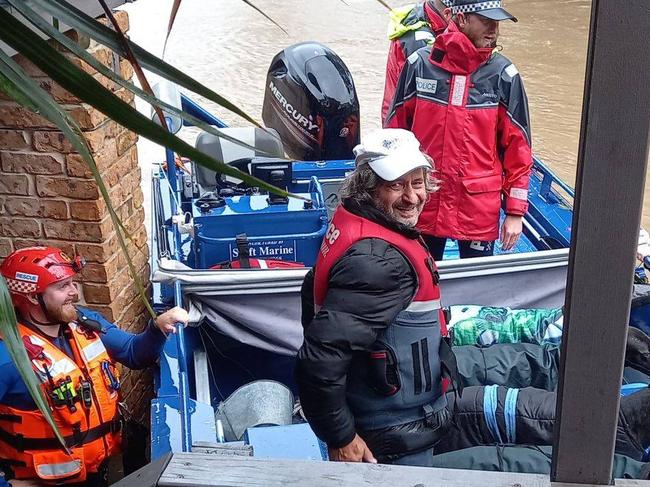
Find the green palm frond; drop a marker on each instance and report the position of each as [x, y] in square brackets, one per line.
[33, 97]
[41, 24]
[76, 19]
[137, 69]
[27, 93]
[250, 4]
[85, 87]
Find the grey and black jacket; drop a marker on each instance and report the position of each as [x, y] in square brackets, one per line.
[368, 287]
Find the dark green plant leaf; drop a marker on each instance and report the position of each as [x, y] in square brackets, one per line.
[85, 87]
[10, 89]
[16, 349]
[102, 34]
[137, 69]
[73, 47]
[170, 24]
[33, 97]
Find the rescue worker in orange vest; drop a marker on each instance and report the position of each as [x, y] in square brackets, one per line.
[73, 351]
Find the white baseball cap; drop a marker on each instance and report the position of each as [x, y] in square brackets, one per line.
[390, 153]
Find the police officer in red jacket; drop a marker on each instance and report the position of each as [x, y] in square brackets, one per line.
[466, 104]
[411, 27]
[369, 370]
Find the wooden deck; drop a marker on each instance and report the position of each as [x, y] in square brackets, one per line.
[197, 469]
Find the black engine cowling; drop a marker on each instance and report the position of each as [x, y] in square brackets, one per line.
[311, 101]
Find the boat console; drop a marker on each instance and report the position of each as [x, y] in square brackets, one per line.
[289, 229]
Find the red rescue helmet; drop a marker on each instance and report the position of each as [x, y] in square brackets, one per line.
[33, 269]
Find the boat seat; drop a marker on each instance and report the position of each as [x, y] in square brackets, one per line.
[266, 142]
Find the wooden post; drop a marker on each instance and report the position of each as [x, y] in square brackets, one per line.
[609, 194]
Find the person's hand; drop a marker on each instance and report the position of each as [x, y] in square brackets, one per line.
[510, 231]
[355, 451]
[166, 322]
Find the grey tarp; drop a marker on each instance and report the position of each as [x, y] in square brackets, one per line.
[261, 320]
[527, 459]
[261, 307]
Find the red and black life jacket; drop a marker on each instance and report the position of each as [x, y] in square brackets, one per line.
[408, 349]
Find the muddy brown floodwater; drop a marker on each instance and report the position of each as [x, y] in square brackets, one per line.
[229, 46]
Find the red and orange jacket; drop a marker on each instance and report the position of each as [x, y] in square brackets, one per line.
[84, 406]
[469, 110]
[411, 27]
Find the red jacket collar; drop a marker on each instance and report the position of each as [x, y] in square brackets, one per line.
[437, 23]
[455, 53]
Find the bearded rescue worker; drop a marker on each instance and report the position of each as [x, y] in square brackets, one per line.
[467, 106]
[73, 351]
[411, 27]
[369, 370]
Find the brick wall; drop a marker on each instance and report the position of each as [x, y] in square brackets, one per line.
[48, 196]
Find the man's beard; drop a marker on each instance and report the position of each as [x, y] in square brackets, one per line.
[408, 222]
[63, 314]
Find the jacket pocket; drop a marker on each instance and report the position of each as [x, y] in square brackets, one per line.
[483, 184]
[383, 375]
[479, 205]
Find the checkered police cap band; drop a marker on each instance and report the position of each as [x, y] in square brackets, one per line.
[475, 7]
[447, 3]
[21, 286]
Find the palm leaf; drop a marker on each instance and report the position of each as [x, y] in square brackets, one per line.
[250, 4]
[16, 349]
[79, 20]
[33, 97]
[134, 62]
[172, 18]
[85, 87]
[73, 47]
[10, 89]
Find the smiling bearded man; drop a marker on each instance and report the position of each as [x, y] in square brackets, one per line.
[373, 279]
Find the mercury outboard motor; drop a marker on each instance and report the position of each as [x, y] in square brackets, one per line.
[311, 101]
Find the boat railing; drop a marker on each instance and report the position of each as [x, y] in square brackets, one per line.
[549, 178]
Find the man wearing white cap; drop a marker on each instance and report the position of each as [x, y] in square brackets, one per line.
[411, 27]
[370, 368]
[467, 106]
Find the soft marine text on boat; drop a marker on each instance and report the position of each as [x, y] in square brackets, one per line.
[281, 250]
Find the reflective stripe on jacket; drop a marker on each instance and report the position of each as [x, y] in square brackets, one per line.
[400, 380]
[469, 110]
[83, 403]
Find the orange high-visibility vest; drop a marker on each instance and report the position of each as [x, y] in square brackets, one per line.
[91, 427]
